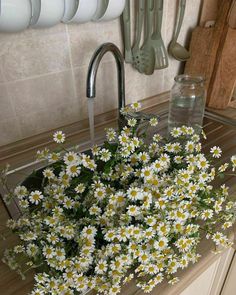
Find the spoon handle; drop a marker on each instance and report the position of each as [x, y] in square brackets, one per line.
[149, 12]
[158, 15]
[139, 23]
[179, 19]
[127, 33]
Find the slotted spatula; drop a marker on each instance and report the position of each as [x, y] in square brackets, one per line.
[161, 56]
[146, 62]
[138, 30]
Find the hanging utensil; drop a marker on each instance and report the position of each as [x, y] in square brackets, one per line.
[127, 34]
[177, 50]
[161, 55]
[146, 63]
[138, 29]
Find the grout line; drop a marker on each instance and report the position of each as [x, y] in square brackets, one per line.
[71, 62]
[14, 111]
[34, 77]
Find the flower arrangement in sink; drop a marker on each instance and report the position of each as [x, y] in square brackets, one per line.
[129, 210]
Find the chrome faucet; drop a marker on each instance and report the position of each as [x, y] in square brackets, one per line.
[93, 68]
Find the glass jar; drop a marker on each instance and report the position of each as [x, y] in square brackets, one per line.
[187, 102]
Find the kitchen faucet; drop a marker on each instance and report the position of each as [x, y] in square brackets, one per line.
[93, 68]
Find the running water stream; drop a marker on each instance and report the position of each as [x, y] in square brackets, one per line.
[91, 119]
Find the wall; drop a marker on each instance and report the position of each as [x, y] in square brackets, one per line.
[43, 74]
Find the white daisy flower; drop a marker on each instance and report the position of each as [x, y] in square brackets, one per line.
[233, 161]
[101, 267]
[111, 134]
[207, 214]
[100, 193]
[20, 191]
[157, 138]
[133, 210]
[216, 152]
[35, 197]
[48, 252]
[80, 188]
[147, 173]
[202, 163]
[132, 122]
[153, 122]
[73, 170]
[150, 220]
[223, 167]
[161, 244]
[134, 194]
[136, 106]
[52, 238]
[59, 137]
[38, 291]
[95, 150]
[176, 132]
[190, 146]
[89, 231]
[71, 158]
[144, 157]
[48, 173]
[173, 281]
[105, 155]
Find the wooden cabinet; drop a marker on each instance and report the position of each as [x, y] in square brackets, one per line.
[211, 281]
[229, 287]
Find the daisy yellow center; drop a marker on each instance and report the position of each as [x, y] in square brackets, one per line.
[70, 158]
[161, 243]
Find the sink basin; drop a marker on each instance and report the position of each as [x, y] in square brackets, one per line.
[220, 132]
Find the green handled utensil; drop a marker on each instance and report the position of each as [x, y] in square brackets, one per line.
[146, 63]
[138, 30]
[161, 55]
[127, 34]
[177, 50]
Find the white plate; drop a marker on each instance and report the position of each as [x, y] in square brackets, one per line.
[47, 13]
[15, 15]
[109, 10]
[101, 9]
[71, 6]
[85, 11]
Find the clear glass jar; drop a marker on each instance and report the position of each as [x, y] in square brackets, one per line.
[187, 102]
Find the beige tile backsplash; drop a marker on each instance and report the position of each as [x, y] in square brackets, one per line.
[43, 73]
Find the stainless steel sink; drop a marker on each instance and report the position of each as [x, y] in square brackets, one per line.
[220, 132]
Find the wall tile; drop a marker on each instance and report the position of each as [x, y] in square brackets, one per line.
[83, 42]
[155, 83]
[38, 55]
[6, 108]
[135, 84]
[9, 130]
[41, 93]
[43, 73]
[41, 121]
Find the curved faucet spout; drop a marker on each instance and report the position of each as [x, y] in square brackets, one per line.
[93, 68]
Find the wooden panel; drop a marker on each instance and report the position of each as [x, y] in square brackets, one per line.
[213, 56]
[222, 271]
[230, 283]
[209, 11]
[203, 284]
[232, 17]
[200, 51]
[224, 75]
[10, 282]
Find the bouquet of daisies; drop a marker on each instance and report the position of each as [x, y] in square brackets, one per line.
[129, 210]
